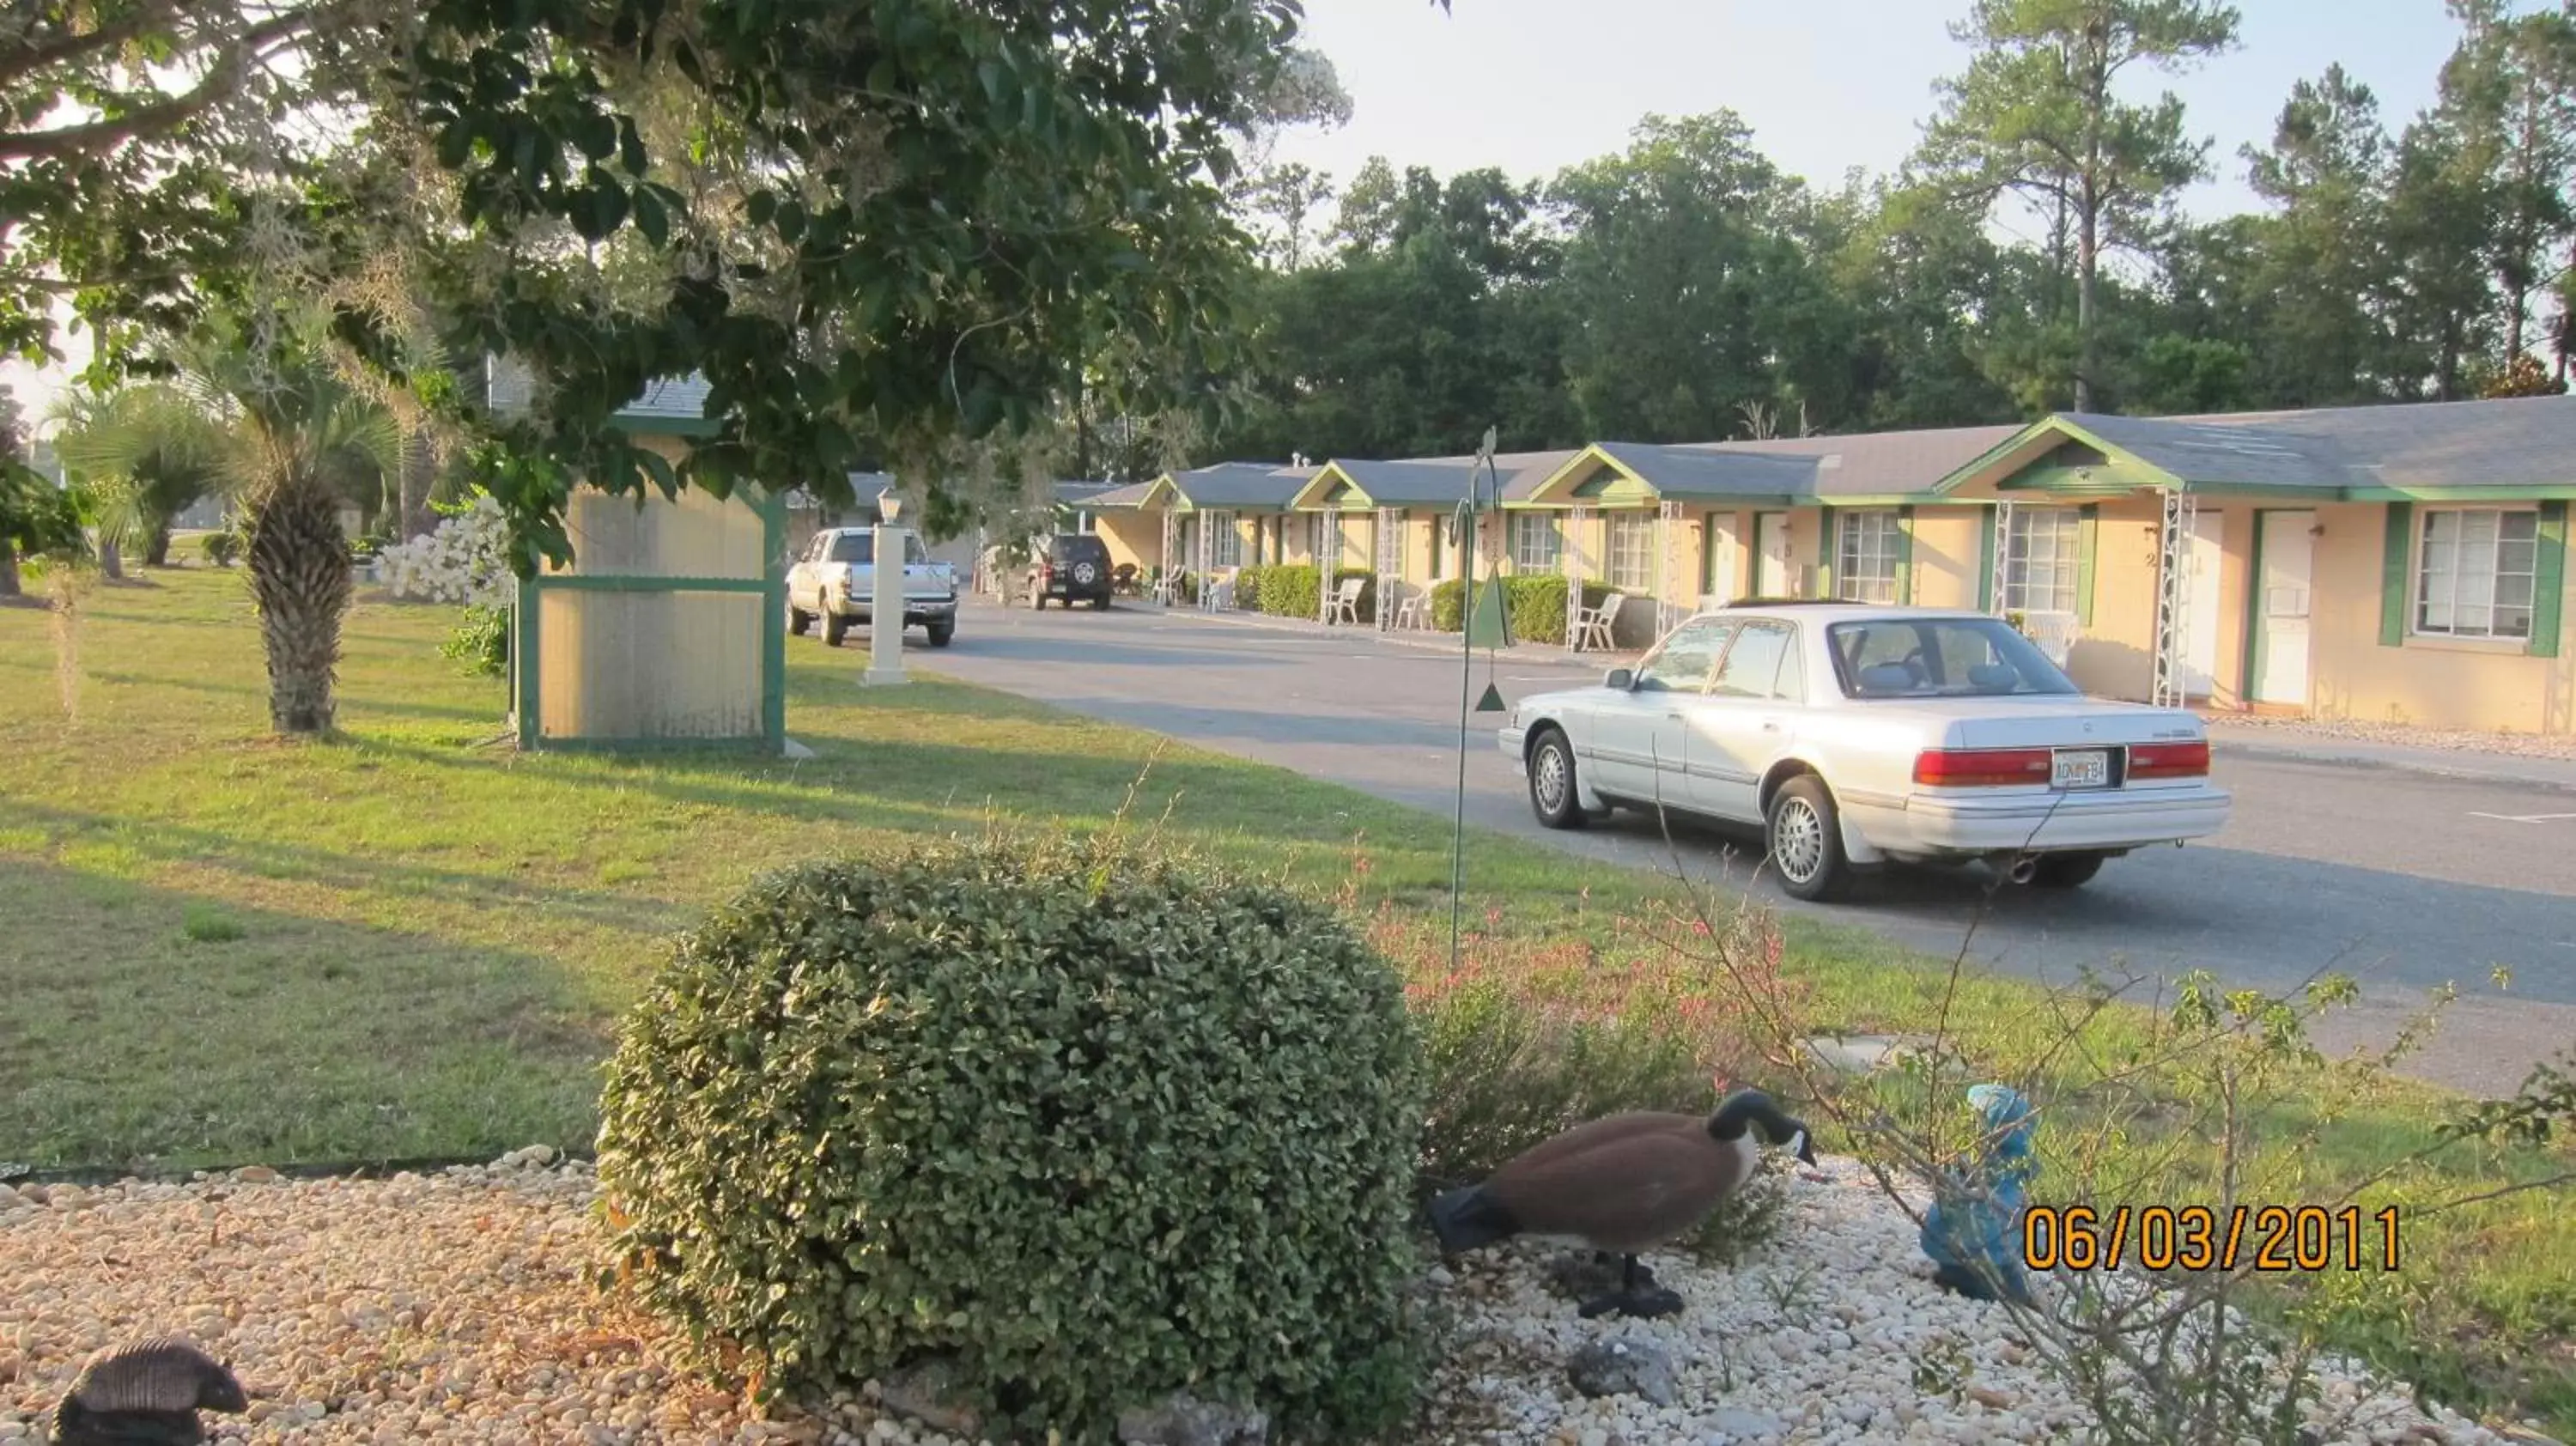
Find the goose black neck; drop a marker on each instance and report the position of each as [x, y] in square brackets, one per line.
[1748, 1108]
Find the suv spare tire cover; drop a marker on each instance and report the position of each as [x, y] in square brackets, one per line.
[1084, 572]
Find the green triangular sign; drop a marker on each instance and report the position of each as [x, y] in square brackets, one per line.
[1492, 702]
[1488, 626]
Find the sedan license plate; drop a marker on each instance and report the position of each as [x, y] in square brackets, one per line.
[2081, 768]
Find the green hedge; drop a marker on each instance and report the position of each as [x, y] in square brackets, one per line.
[1537, 606]
[1289, 590]
[1449, 605]
[1247, 588]
[1087, 1128]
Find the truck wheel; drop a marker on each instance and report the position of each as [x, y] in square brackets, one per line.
[835, 628]
[941, 634]
[798, 620]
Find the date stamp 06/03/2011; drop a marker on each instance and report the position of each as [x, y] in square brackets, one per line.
[2269, 1238]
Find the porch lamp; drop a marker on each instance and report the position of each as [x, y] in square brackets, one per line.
[885, 603]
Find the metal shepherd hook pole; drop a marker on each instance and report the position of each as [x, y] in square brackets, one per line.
[1470, 513]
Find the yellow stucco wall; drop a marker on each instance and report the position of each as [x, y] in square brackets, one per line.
[1948, 556]
[1131, 537]
[2116, 657]
[2428, 682]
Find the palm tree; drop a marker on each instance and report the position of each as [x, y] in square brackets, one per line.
[143, 454]
[295, 443]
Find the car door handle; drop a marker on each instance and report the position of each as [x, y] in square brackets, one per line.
[1770, 725]
[1675, 716]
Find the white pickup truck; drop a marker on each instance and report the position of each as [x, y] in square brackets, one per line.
[835, 579]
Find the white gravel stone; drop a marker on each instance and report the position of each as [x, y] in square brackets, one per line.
[1816, 1339]
[458, 1308]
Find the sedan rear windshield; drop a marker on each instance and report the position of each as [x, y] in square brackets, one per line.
[1941, 658]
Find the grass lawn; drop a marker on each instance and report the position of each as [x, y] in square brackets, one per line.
[413, 942]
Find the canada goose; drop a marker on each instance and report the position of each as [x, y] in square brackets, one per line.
[1621, 1185]
[146, 1394]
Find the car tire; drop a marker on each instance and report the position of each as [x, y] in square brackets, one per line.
[835, 628]
[1554, 796]
[1037, 600]
[798, 620]
[941, 634]
[1100, 604]
[2065, 871]
[1803, 838]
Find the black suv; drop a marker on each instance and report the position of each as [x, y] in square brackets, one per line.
[1074, 569]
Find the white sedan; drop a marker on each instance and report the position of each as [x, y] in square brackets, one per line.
[1857, 736]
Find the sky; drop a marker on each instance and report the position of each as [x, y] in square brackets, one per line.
[1826, 85]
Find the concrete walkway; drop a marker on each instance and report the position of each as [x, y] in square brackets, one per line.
[2314, 745]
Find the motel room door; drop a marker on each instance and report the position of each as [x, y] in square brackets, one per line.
[1771, 554]
[2285, 567]
[2200, 656]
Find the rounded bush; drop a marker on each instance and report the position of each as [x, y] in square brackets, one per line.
[1085, 1128]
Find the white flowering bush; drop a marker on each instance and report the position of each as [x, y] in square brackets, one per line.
[462, 561]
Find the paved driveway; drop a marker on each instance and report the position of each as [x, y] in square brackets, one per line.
[2403, 881]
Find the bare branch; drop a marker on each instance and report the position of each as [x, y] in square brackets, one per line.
[223, 77]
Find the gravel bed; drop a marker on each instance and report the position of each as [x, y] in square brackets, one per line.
[459, 1307]
[2560, 746]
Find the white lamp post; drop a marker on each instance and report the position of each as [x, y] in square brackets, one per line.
[885, 606]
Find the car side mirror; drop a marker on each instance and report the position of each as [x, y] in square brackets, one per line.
[1619, 679]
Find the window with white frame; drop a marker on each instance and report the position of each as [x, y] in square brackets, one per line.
[2043, 560]
[1538, 541]
[1225, 540]
[1865, 549]
[1632, 552]
[2476, 573]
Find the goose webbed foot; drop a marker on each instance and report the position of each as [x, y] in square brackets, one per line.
[1651, 1302]
[1637, 1297]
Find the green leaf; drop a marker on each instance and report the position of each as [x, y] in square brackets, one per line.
[650, 219]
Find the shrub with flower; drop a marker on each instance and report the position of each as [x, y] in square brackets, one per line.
[464, 560]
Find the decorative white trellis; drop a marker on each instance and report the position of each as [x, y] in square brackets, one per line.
[2173, 599]
[1577, 566]
[2002, 558]
[1390, 564]
[1669, 569]
[1328, 561]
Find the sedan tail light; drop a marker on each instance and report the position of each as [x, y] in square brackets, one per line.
[2169, 760]
[1981, 767]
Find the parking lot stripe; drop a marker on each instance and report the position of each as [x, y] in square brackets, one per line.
[2523, 817]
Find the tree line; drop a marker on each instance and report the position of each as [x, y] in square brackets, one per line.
[1687, 289]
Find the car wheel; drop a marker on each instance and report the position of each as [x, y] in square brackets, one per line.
[798, 620]
[1037, 600]
[1553, 796]
[940, 636]
[1084, 574]
[2064, 871]
[835, 628]
[1100, 604]
[1805, 835]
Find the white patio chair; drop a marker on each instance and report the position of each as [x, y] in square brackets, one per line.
[1346, 601]
[1167, 586]
[1413, 611]
[1219, 593]
[1596, 627]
